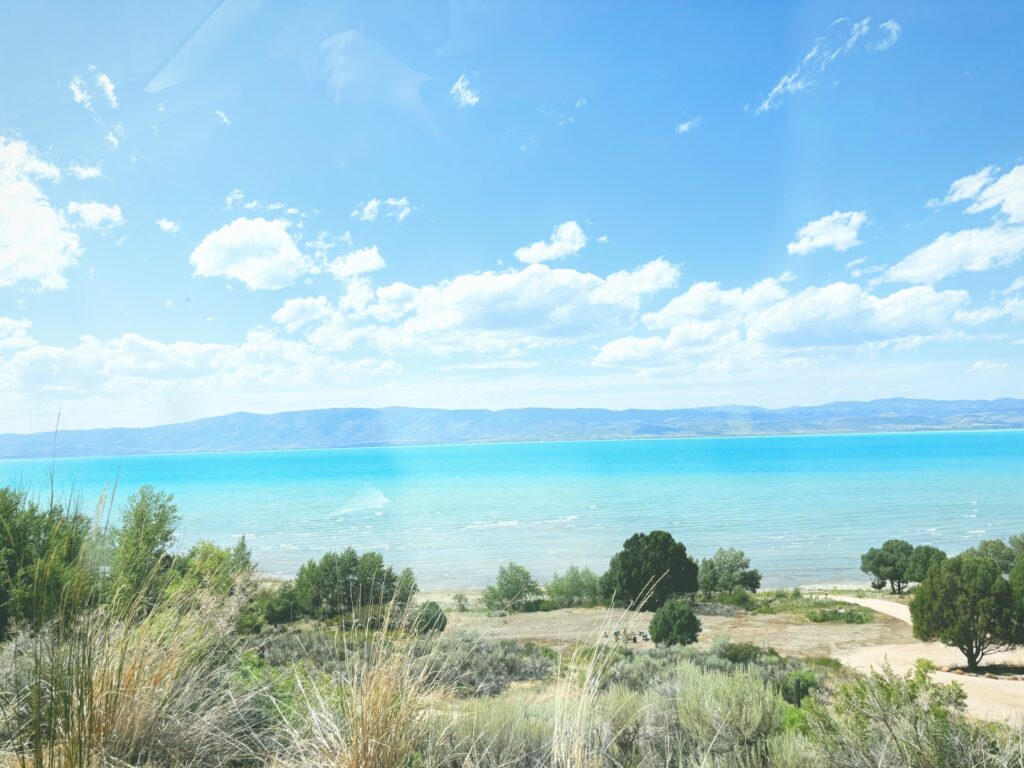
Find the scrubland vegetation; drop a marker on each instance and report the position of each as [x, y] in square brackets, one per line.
[117, 652]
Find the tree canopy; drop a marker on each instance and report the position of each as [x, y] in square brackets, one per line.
[891, 563]
[341, 582]
[966, 602]
[650, 568]
[726, 570]
[513, 590]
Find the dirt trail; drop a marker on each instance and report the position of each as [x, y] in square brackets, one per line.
[989, 699]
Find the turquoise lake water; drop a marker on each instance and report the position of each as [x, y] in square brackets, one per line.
[803, 508]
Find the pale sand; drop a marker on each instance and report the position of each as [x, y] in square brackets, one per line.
[986, 698]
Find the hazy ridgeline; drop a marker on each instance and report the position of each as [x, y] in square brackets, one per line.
[119, 653]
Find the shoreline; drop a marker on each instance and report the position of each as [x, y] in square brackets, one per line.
[396, 446]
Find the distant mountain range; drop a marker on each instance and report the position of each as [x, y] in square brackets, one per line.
[363, 427]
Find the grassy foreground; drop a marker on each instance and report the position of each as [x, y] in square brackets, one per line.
[120, 656]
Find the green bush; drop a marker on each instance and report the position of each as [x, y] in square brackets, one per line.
[43, 573]
[574, 588]
[745, 653]
[840, 615]
[429, 618]
[737, 597]
[675, 624]
[513, 590]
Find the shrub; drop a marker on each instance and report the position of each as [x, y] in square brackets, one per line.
[513, 590]
[745, 653]
[966, 602]
[575, 587]
[650, 568]
[728, 570]
[675, 624]
[738, 598]
[840, 615]
[891, 563]
[43, 572]
[460, 601]
[429, 618]
[884, 719]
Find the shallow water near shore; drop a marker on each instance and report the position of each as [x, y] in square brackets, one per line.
[802, 507]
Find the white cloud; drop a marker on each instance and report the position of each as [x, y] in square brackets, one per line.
[626, 289]
[688, 125]
[356, 262]
[464, 95]
[295, 313]
[716, 326]
[85, 171]
[114, 136]
[487, 312]
[567, 239]
[842, 39]
[106, 85]
[36, 243]
[260, 254]
[93, 215]
[79, 92]
[986, 366]
[166, 225]
[224, 119]
[838, 230]
[234, 197]
[393, 208]
[1006, 193]
[893, 31]
[367, 211]
[969, 250]
[14, 333]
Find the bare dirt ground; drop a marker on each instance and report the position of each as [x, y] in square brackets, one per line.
[789, 635]
[988, 699]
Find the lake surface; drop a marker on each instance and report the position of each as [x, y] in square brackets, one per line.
[803, 508]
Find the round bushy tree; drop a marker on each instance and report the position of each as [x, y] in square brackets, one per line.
[651, 568]
[890, 563]
[725, 571]
[429, 618]
[967, 603]
[922, 560]
[675, 624]
[514, 590]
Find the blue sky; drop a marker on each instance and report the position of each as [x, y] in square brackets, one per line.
[208, 207]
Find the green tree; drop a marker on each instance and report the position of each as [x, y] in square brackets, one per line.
[513, 590]
[966, 602]
[575, 587]
[922, 560]
[890, 563]
[341, 582]
[1016, 581]
[675, 624]
[43, 571]
[140, 561]
[1004, 554]
[429, 618]
[725, 571]
[650, 568]
[209, 567]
